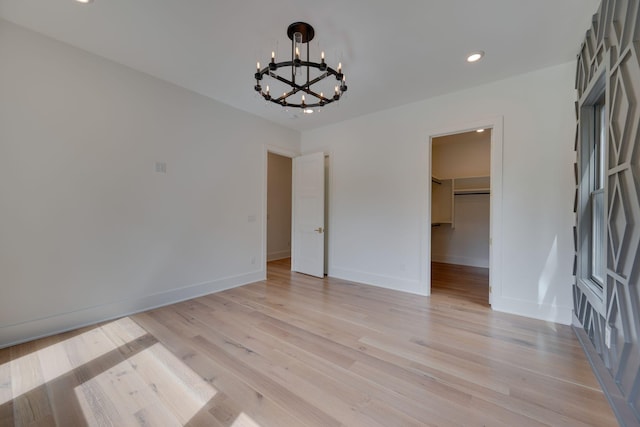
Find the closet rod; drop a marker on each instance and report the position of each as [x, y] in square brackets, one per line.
[464, 193]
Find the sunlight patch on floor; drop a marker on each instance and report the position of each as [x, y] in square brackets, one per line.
[150, 387]
[128, 378]
[47, 364]
[244, 420]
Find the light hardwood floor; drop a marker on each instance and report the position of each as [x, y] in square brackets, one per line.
[295, 350]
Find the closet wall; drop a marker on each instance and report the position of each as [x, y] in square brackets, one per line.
[460, 199]
[278, 207]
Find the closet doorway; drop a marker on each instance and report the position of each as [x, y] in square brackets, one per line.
[279, 200]
[461, 214]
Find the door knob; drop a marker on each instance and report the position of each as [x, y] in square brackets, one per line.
[319, 230]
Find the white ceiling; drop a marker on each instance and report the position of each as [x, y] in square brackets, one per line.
[392, 52]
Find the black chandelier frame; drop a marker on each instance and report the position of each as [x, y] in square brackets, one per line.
[306, 34]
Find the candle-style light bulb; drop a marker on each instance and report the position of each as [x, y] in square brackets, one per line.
[339, 67]
[272, 65]
[323, 65]
[297, 53]
[267, 89]
[336, 90]
[303, 99]
[258, 66]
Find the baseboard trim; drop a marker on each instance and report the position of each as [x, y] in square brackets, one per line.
[549, 313]
[471, 262]
[618, 404]
[63, 322]
[387, 282]
[274, 256]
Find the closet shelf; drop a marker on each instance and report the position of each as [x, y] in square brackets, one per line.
[443, 191]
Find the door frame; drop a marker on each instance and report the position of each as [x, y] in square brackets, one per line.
[496, 124]
[281, 152]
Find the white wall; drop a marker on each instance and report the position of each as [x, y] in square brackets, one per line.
[381, 184]
[88, 229]
[278, 207]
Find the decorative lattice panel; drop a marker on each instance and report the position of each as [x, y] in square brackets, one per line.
[613, 40]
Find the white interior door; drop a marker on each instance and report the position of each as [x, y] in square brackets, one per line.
[308, 214]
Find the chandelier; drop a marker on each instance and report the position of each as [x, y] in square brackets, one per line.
[299, 75]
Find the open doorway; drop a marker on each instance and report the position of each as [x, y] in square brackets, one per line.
[460, 214]
[279, 196]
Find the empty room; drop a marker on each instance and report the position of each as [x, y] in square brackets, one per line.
[284, 213]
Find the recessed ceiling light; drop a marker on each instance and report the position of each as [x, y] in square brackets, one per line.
[475, 56]
[84, 1]
[480, 130]
[307, 111]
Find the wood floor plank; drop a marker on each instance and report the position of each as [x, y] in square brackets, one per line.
[159, 386]
[219, 411]
[92, 354]
[287, 372]
[332, 387]
[59, 379]
[295, 350]
[6, 391]
[30, 399]
[258, 406]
